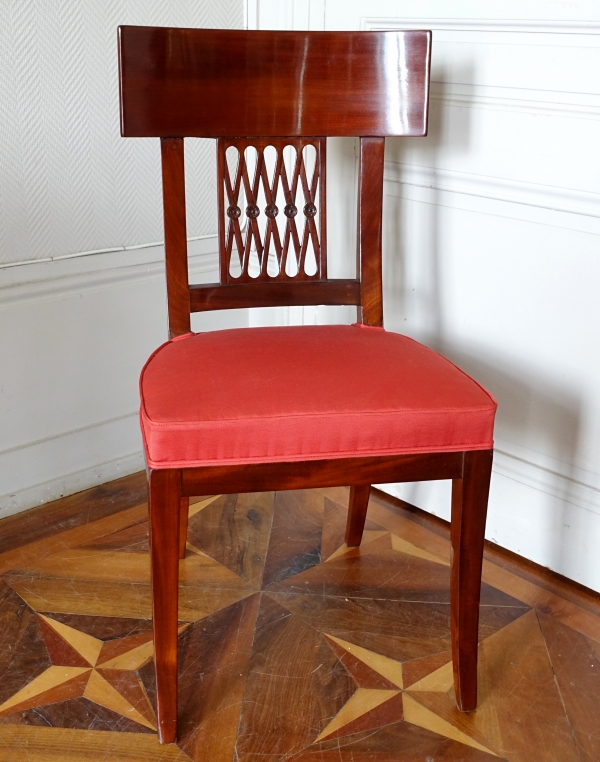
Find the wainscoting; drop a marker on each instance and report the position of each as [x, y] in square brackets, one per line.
[75, 334]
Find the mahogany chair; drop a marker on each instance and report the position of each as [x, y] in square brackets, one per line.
[292, 407]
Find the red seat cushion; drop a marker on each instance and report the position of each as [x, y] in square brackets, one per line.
[258, 395]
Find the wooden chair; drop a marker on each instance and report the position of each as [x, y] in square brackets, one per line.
[293, 407]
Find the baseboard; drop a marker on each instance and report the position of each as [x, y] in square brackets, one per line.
[70, 484]
[82, 459]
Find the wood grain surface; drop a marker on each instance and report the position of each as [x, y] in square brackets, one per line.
[212, 83]
[292, 645]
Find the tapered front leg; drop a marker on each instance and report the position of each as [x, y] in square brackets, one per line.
[357, 513]
[469, 510]
[165, 506]
[184, 512]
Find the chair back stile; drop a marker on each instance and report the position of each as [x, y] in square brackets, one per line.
[176, 255]
[369, 234]
[273, 89]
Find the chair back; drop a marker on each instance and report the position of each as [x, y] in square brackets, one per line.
[271, 99]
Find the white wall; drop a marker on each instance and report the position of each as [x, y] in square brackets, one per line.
[75, 330]
[492, 228]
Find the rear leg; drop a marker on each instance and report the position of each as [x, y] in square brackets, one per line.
[357, 513]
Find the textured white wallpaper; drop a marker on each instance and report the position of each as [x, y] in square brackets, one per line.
[68, 181]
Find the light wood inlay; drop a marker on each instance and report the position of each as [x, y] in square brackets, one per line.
[412, 550]
[22, 743]
[88, 646]
[441, 680]
[103, 566]
[20, 557]
[199, 552]
[133, 659]
[196, 507]
[564, 611]
[388, 668]
[116, 599]
[363, 701]
[368, 537]
[32, 694]
[502, 579]
[102, 692]
[424, 718]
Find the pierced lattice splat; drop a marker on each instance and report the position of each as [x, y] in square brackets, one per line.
[272, 209]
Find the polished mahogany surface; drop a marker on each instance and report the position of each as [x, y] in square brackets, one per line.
[220, 83]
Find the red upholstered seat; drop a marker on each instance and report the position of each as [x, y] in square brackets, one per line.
[257, 395]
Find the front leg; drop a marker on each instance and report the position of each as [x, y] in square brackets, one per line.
[469, 510]
[165, 504]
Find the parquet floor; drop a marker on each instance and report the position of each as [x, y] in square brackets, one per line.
[292, 647]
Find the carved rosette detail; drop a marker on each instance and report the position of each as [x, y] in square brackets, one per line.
[290, 211]
[234, 212]
[252, 211]
[271, 211]
[310, 210]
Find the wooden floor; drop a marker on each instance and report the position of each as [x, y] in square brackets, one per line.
[291, 646]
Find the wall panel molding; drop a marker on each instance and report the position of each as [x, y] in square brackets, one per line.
[56, 279]
[285, 14]
[577, 210]
[523, 100]
[569, 489]
[494, 25]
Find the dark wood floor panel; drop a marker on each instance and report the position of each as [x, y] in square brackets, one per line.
[575, 660]
[73, 511]
[213, 662]
[292, 646]
[295, 543]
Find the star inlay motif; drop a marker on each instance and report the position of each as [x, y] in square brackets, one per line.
[84, 666]
[382, 697]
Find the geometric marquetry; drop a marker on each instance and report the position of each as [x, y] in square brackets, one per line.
[54, 684]
[85, 645]
[292, 646]
[272, 209]
[107, 676]
[387, 540]
[100, 691]
[386, 668]
[362, 705]
[440, 680]
[418, 715]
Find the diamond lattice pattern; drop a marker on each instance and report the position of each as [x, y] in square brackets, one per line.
[272, 209]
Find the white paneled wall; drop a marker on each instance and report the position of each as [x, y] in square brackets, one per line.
[75, 330]
[492, 245]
